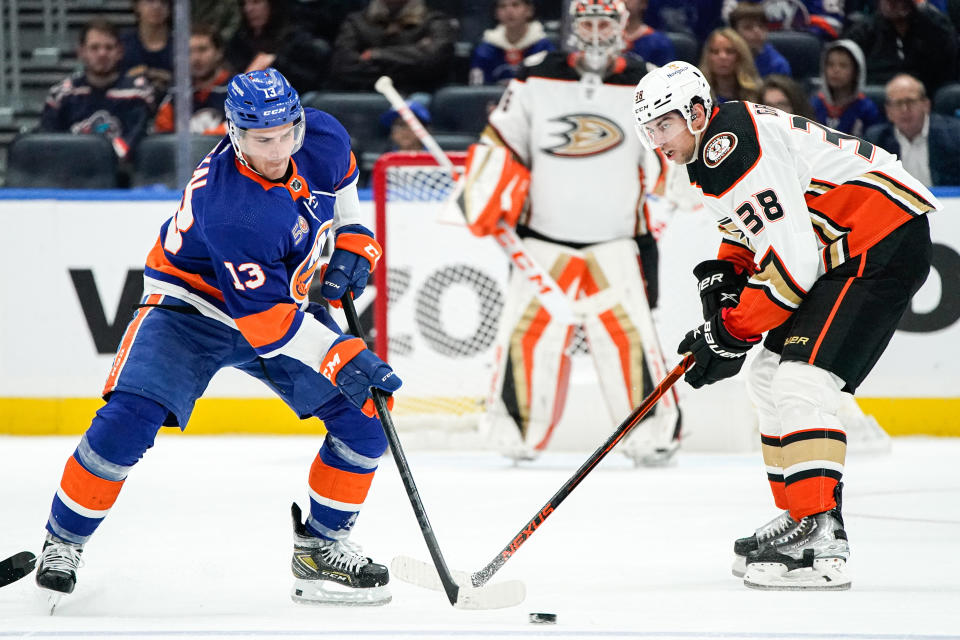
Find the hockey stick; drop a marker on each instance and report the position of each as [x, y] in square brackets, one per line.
[546, 289]
[496, 596]
[16, 566]
[418, 572]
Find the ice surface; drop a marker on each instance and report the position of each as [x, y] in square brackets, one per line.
[198, 546]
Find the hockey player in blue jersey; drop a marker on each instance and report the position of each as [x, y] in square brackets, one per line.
[226, 286]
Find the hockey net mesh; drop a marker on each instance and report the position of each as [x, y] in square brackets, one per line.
[438, 321]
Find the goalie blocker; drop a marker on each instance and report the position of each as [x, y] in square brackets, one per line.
[496, 185]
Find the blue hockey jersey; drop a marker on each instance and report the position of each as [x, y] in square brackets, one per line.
[243, 250]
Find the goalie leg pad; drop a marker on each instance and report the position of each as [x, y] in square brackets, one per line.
[626, 348]
[533, 366]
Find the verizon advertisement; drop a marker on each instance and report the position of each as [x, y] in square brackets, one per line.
[72, 274]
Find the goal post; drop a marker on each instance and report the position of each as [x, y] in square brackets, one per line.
[440, 292]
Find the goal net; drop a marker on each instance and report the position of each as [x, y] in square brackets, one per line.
[436, 313]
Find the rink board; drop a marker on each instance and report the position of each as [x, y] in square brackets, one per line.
[71, 258]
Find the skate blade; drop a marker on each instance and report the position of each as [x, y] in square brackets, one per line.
[739, 568]
[828, 574]
[328, 594]
[498, 595]
[48, 599]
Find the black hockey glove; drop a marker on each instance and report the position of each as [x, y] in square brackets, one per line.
[718, 353]
[720, 285]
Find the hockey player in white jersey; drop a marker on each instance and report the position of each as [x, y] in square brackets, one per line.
[563, 129]
[825, 239]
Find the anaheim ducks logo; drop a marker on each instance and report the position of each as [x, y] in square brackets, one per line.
[718, 148]
[587, 134]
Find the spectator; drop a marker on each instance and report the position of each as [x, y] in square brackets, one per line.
[903, 37]
[786, 94]
[322, 18]
[728, 67]
[642, 39]
[222, 15]
[841, 104]
[750, 21]
[517, 35]
[823, 18]
[266, 38]
[925, 142]
[400, 38]
[98, 99]
[209, 81]
[402, 137]
[693, 17]
[148, 48]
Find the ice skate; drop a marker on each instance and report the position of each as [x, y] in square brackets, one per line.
[654, 442]
[333, 572]
[57, 569]
[499, 429]
[760, 538]
[810, 556]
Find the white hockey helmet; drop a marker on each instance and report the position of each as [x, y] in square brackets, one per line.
[596, 30]
[676, 86]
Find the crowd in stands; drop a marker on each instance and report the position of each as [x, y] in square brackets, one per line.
[880, 62]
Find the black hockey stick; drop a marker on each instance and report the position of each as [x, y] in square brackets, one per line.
[505, 594]
[413, 570]
[16, 566]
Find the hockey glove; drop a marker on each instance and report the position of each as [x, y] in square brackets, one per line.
[353, 369]
[355, 255]
[720, 285]
[495, 188]
[719, 354]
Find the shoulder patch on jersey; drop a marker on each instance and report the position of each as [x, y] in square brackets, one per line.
[718, 148]
[719, 167]
[300, 230]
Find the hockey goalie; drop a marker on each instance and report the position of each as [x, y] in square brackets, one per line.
[559, 160]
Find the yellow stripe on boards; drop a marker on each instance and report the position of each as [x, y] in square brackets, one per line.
[64, 416]
[915, 416]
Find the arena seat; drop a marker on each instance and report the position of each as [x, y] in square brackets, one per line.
[946, 100]
[61, 161]
[801, 49]
[454, 141]
[878, 94]
[358, 112]
[458, 109]
[156, 159]
[686, 46]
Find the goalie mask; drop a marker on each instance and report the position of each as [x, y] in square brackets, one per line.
[596, 30]
[676, 86]
[263, 100]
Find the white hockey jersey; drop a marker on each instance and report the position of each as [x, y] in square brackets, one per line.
[587, 177]
[795, 199]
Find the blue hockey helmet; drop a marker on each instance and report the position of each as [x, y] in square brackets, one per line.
[260, 100]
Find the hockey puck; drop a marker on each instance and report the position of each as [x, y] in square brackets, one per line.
[543, 618]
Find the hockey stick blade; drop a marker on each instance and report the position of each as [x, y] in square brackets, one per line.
[16, 566]
[498, 595]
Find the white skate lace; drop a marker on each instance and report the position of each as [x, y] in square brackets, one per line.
[775, 528]
[60, 557]
[344, 555]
